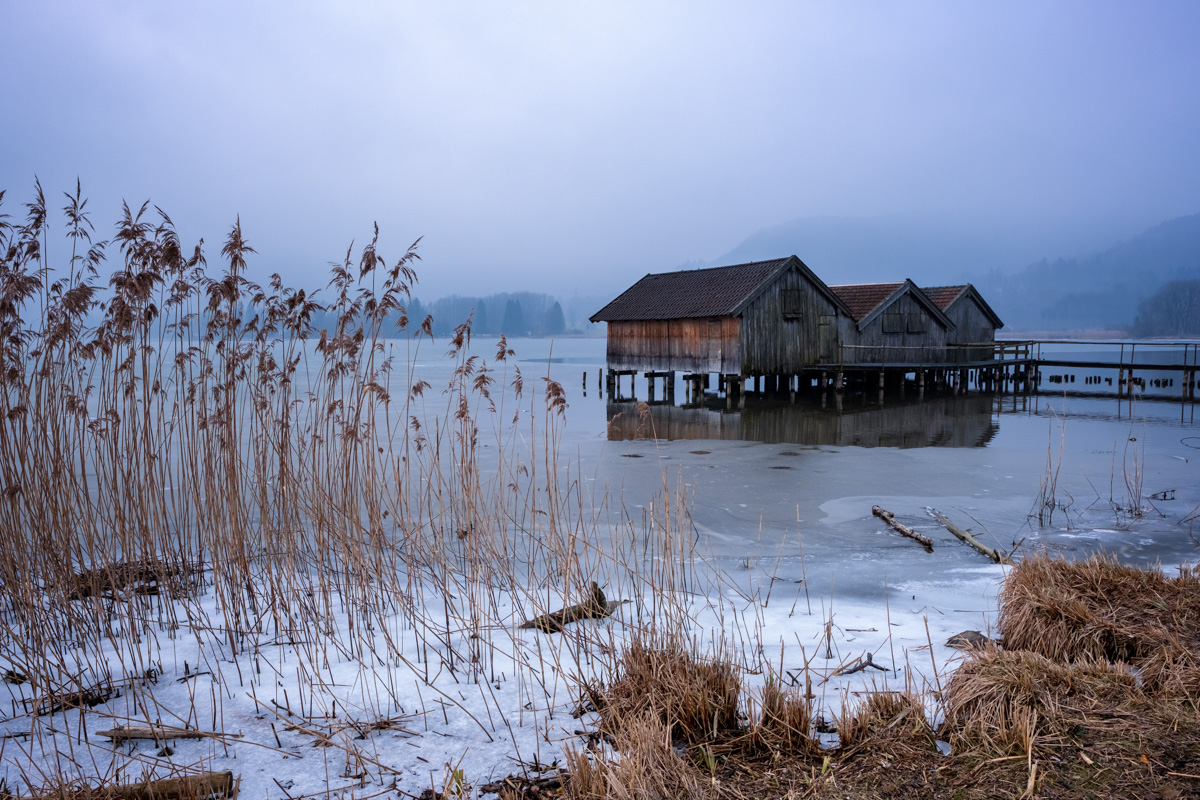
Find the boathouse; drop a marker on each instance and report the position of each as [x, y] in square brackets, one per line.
[763, 318]
[895, 323]
[975, 323]
[777, 320]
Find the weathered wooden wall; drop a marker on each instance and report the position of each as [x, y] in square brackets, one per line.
[922, 339]
[972, 326]
[775, 343]
[685, 345]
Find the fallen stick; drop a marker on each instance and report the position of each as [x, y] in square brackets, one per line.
[525, 786]
[192, 787]
[158, 733]
[596, 606]
[858, 665]
[901, 528]
[994, 555]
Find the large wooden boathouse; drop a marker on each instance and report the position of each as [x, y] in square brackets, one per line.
[777, 322]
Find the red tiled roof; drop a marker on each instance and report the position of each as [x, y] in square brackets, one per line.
[715, 292]
[863, 298]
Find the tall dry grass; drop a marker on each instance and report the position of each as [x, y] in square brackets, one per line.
[185, 452]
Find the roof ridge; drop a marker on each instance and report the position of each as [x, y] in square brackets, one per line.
[691, 292]
[723, 266]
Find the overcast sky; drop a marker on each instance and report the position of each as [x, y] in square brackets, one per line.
[573, 146]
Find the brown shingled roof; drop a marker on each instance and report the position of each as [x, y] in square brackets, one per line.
[943, 296]
[863, 298]
[715, 292]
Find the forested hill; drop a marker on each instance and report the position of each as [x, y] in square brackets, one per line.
[1100, 288]
[1098, 291]
[511, 313]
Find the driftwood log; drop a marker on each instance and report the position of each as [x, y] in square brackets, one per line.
[901, 528]
[191, 787]
[159, 733]
[52, 704]
[994, 555]
[595, 606]
[523, 786]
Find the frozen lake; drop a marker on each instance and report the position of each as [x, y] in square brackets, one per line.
[769, 480]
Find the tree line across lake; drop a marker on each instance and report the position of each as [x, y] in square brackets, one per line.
[510, 313]
[1174, 310]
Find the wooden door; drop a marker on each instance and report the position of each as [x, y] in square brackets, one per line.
[827, 339]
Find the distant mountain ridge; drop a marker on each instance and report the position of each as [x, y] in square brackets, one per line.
[843, 250]
[1097, 291]
[1100, 288]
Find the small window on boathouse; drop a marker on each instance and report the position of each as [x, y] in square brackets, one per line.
[793, 303]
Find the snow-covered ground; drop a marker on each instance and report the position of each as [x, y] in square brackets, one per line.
[404, 707]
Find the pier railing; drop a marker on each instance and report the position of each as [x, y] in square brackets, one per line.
[1105, 365]
[970, 354]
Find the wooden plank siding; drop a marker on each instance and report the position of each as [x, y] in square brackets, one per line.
[786, 328]
[905, 333]
[708, 344]
[972, 327]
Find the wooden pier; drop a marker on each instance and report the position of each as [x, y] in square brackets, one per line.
[1162, 370]
[1123, 368]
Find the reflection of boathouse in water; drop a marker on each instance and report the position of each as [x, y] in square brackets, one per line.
[946, 421]
[779, 324]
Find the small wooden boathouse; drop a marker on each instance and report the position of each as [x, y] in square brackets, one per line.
[776, 321]
[975, 323]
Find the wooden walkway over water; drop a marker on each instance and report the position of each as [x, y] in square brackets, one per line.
[1100, 367]
[1159, 369]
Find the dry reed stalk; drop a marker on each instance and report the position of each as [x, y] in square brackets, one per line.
[1047, 501]
[200, 435]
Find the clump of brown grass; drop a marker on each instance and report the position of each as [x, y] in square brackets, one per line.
[785, 720]
[697, 699]
[1101, 610]
[649, 767]
[1011, 701]
[886, 719]
[1172, 668]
